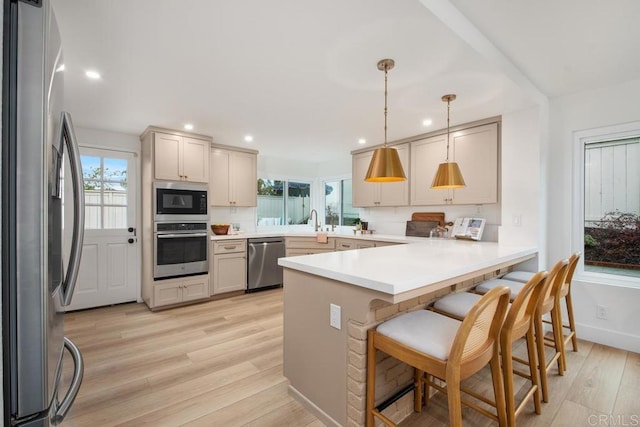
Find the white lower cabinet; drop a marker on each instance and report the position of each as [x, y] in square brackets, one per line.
[228, 267]
[176, 291]
[308, 245]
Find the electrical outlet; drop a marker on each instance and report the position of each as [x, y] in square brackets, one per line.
[601, 312]
[334, 316]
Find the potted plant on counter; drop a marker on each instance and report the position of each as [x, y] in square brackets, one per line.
[358, 223]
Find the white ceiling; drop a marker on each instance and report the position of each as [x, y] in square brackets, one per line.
[301, 76]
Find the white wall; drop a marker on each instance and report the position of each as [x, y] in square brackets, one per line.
[96, 138]
[569, 114]
[520, 176]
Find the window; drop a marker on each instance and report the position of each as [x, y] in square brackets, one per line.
[105, 192]
[278, 200]
[610, 229]
[337, 204]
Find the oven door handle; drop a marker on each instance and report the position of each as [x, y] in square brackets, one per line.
[175, 236]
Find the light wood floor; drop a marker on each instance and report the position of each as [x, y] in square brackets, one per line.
[220, 364]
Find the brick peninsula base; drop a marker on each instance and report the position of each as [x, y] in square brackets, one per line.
[326, 366]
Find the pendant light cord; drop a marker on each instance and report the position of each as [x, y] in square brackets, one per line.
[385, 107]
[448, 106]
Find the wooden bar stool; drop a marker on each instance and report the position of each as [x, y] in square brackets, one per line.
[555, 280]
[565, 292]
[518, 323]
[446, 348]
[546, 304]
[523, 276]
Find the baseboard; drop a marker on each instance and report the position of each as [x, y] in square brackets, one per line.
[608, 337]
[311, 407]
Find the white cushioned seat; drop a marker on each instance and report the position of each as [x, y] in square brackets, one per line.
[514, 287]
[423, 330]
[457, 304]
[519, 276]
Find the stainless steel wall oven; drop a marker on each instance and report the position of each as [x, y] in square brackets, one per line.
[180, 249]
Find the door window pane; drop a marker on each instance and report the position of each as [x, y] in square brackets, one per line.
[114, 216]
[92, 217]
[612, 207]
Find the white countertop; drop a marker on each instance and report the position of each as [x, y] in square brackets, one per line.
[343, 234]
[402, 268]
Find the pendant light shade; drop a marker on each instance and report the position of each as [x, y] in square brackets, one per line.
[385, 164]
[448, 175]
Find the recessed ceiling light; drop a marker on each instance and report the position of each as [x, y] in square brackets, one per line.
[248, 138]
[427, 122]
[93, 75]
[188, 126]
[60, 68]
[362, 141]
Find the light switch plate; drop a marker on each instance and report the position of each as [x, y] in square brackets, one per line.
[334, 316]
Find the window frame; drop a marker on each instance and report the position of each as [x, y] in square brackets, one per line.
[580, 140]
[285, 181]
[339, 179]
[113, 155]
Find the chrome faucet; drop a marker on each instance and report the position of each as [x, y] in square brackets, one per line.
[315, 223]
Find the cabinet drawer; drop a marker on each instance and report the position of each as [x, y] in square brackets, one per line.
[229, 246]
[309, 243]
[344, 244]
[302, 251]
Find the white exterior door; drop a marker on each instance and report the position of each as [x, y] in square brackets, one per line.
[109, 269]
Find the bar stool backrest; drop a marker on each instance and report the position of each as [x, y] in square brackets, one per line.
[478, 334]
[555, 280]
[566, 286]
[523, 307]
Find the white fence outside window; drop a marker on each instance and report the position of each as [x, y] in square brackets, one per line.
[612, 179]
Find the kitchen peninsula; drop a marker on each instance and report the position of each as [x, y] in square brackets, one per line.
[355, 291]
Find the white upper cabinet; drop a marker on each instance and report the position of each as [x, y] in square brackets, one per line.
[195, 159]
[367, 194]
[476, 152]
[180, 158]
[167, 157]
[233, 178]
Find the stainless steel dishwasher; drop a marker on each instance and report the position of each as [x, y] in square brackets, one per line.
[263, 269]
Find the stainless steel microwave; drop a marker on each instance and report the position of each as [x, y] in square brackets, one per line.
[178, 201]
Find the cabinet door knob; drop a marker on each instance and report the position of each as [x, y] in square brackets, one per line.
[130, 240]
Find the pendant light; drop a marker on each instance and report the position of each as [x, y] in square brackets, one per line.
[385, 164]
[448, 175]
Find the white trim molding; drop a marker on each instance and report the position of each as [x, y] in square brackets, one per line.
[580, 139]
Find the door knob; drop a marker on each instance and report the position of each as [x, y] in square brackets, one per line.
[131, 240]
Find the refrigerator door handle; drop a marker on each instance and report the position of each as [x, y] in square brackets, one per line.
[63, 407]
[69, 139]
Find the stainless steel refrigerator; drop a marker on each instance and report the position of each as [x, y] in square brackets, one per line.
[37, 139]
